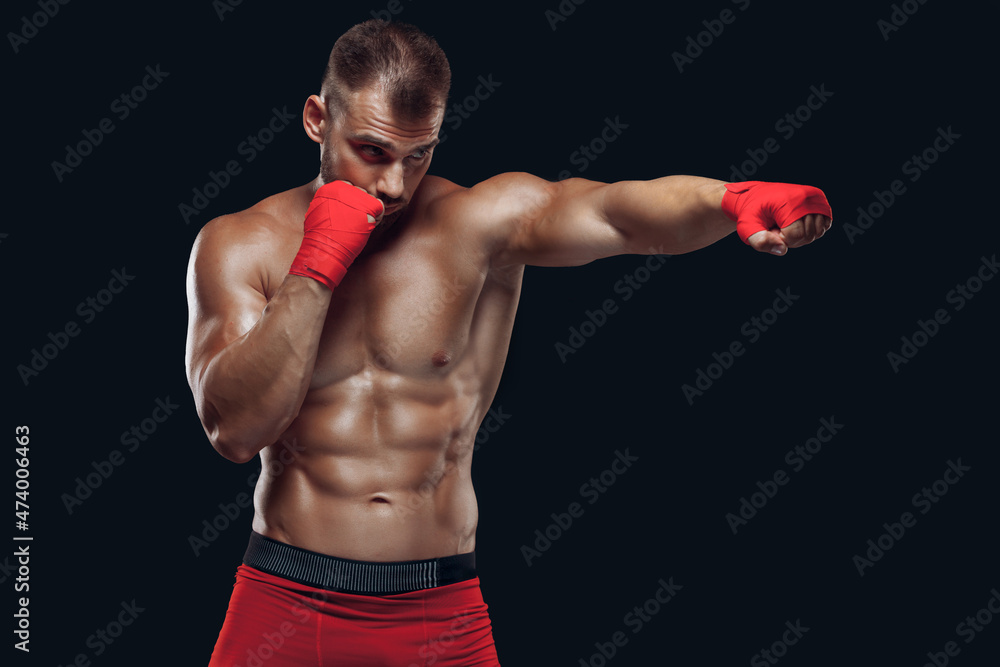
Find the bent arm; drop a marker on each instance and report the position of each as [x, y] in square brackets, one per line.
[249, 360]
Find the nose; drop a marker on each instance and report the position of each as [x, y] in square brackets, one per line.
[390, 181]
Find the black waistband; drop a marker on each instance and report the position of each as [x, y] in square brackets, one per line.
[355, 576]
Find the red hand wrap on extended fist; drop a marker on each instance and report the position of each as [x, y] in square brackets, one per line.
[336, 230]
[757, 206]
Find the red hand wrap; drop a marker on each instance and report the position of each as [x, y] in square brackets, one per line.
[336, 230]
[757, 206]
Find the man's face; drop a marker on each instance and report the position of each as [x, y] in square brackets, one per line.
[378, 151]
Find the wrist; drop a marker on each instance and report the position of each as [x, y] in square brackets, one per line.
[299, 287]
[731, 204]
[713, 195]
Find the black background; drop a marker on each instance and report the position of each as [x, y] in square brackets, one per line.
[666, 516]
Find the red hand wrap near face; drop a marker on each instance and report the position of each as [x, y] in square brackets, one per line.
[336, 230]
[757, 206]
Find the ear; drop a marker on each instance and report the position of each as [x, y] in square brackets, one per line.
[314, 118]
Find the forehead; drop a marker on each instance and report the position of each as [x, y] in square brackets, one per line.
[369, 113]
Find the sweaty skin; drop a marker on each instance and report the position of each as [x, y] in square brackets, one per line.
[364, 402]
[377, 464]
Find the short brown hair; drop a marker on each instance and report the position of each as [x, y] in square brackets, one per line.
[405, 62]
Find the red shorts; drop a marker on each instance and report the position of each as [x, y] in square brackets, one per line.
[274, 621]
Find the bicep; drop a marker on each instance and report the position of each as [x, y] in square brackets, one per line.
[225, 295]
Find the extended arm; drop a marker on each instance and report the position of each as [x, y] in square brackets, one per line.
[577, 221]
[678, 213]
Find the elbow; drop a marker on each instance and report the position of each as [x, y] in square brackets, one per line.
[239, 441]
[238, 437]
[235, 449]
[232, 444]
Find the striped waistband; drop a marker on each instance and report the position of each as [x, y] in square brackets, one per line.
[355, 576]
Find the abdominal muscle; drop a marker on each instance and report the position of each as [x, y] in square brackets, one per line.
[375, 467]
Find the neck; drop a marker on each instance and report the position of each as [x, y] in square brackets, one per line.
[314, 185]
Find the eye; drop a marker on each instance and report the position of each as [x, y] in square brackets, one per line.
[420, 154]
[371, 151]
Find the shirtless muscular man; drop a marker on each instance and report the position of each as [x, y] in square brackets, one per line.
[302, 347]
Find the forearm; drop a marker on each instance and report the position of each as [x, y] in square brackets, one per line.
[254, 387]
[670, 215]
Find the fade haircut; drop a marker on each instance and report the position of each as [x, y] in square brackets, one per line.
[405, 63]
